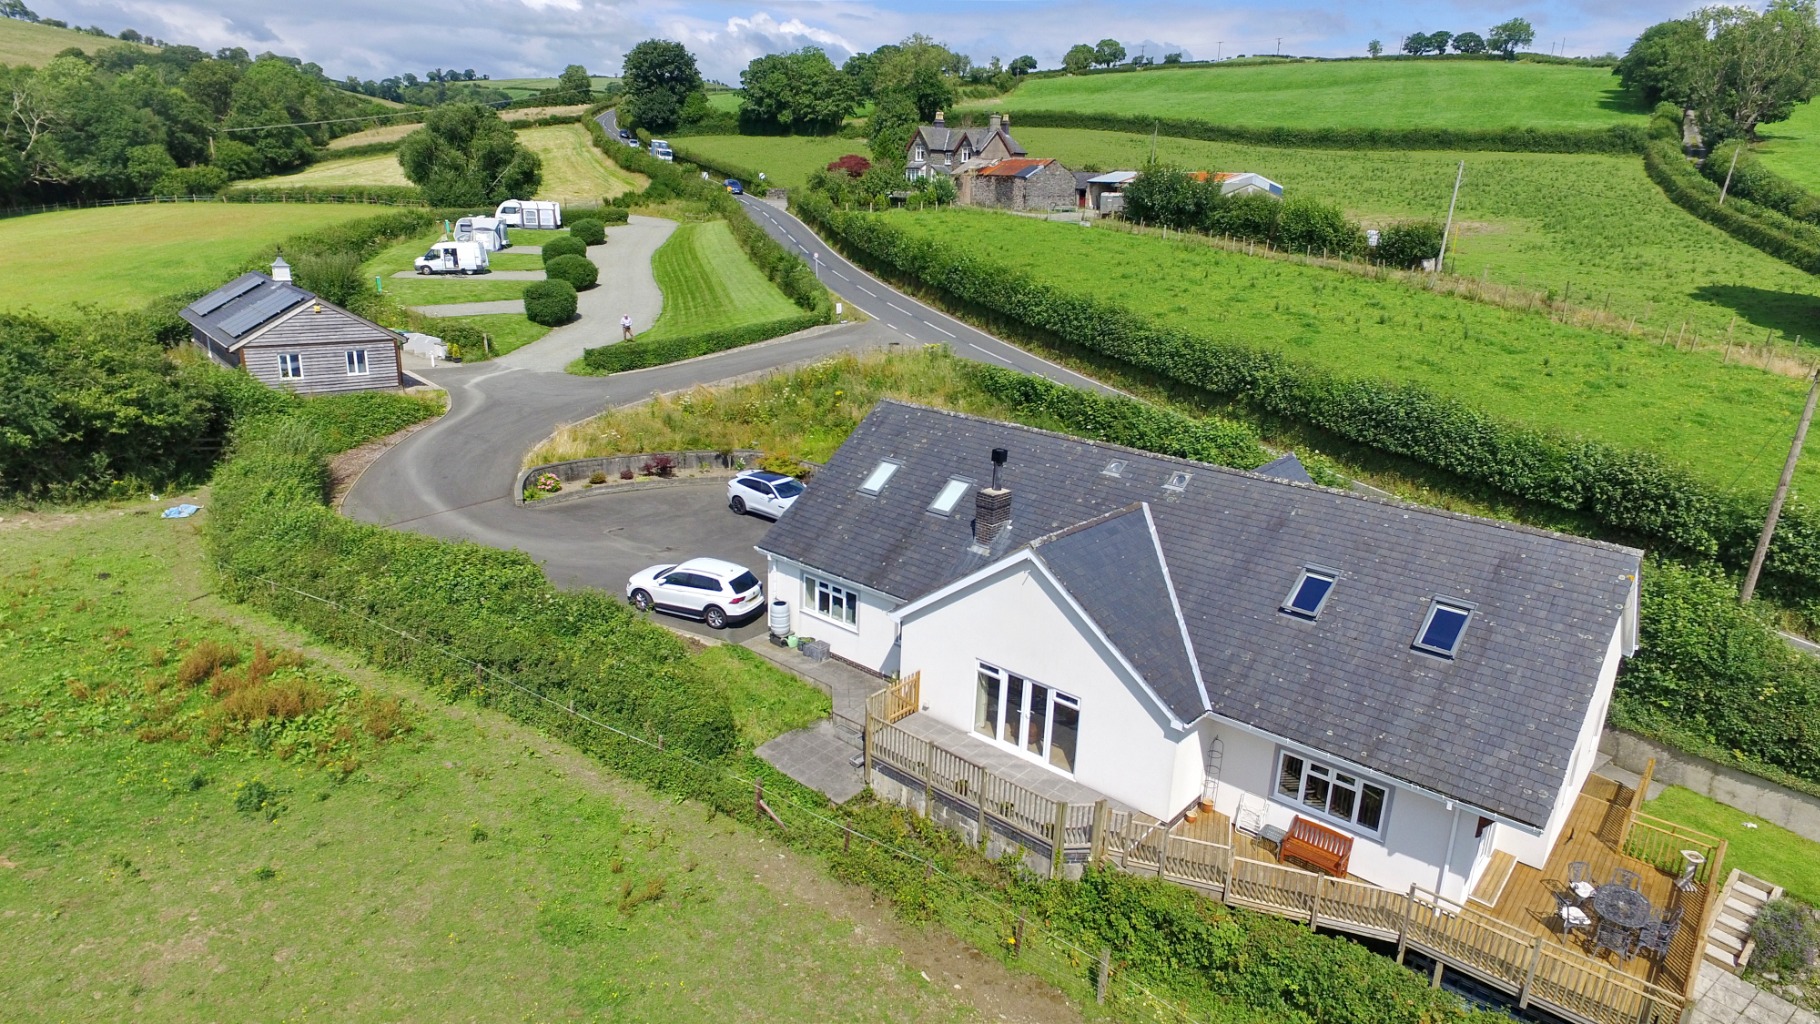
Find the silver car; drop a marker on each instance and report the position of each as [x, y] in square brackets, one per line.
[713, 590]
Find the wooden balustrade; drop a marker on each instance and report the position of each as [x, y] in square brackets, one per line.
[1659, 843]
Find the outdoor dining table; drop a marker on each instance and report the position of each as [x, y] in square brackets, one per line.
[1626, 908]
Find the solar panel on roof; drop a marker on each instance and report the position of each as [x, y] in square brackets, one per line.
[260, 310]
[223, 295]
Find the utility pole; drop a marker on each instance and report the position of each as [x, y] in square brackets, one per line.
[1219, 47]
[1775, 505]
[1279, 46]
[1448, 230]
[1728, 171]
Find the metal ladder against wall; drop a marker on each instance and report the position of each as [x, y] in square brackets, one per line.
[1216, 761]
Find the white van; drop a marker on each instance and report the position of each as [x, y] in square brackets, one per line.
[530, 213]
[452, 258]
[661, 150]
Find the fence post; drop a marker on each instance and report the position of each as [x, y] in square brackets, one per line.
[1409, 916]
[1162, 852]
[866, 743]
[1314, 902]
[1102, 815]
[1529, 978]
[1104, 981]
[928, 767]
[1061, 836]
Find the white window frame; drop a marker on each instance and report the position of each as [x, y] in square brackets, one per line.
[1428, 620]
[921, 153]
[290, 366]
[1019, 731]
[357, 363]
[843, 602]
[1336, 778]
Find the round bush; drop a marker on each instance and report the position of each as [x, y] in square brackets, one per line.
[563, 245]
[589, 230]
[579, 271]
[614, 214]
[550, 303]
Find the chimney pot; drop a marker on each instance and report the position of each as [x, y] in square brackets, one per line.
[938, 119]
[1006, 121]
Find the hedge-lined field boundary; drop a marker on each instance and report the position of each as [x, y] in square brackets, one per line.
[746, 176]
[379, 195]
[1633, 493]
[1791, 241]
[1623, 138]
[636, 355]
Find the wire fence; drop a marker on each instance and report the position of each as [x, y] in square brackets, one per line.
[982, 918]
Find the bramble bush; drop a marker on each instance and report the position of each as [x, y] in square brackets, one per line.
[1407, 244]
[550, 303]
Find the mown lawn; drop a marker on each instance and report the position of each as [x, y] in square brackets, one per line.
[1791, 148]
[372, 169]
[506, 332]
[437, 289]
[709, 284]
[125, 256]
[573, 169]
[1768, 851]
[1346, 94]
[463, 868]
[1593, 227]
[1725, 423]
[786, 160]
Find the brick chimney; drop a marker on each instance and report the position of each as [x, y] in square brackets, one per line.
[992, 505]
[939, 123]
[1007, 121]
[993, 124]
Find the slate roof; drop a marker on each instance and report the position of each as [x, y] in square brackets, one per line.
[232, 313]
[1494, 727]
[1286, 467]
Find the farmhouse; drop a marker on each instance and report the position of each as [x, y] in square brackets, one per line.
[1018, 183]
[289, 338]
[1411, 692]
[938, 149]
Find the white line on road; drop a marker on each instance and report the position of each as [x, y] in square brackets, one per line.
[990, 355]
[891, 325]
[938, 328]
[899, 308]
[842, 276]
[867, 290]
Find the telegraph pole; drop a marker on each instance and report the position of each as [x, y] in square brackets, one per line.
[1739, 148]
[1279, 46]
[1448, 230]
[1775, 505]
[1218, 48]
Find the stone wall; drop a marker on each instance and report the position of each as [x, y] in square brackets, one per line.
[1796, 811]
[1051, 188]
[580, 470]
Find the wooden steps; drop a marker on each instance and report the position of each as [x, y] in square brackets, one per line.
[1497, 875]
[1728, 943]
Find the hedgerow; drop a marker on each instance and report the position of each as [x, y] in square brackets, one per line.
[382, 195]
[1757, 183]
[1623, 138]
[746, 176]
[1791, 241]
[633, 355]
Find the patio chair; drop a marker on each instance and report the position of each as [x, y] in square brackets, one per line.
[1627, 878]
[1619, 940]
[1656, 938]
[1572, 917]
[1578, 881]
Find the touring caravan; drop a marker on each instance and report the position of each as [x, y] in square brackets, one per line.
[452, 258]
[530, 213]
[490, 232]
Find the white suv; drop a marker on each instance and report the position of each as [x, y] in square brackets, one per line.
[710, 589]
[768, 494]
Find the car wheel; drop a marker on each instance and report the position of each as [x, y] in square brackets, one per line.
[738, 505]
[641, 600]
[714, 617]
[423, 271]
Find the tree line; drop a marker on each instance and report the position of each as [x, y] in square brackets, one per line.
[1505, 38]
[1734, 67]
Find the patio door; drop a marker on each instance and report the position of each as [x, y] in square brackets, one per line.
[1037, 720]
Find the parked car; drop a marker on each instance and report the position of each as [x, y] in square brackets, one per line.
[625, 133]
[710, 589]
[661, 150]
[735, 187]
[768, 494]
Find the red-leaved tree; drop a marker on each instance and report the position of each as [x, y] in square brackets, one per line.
[854, 164]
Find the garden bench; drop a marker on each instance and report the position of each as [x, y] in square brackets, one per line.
[1317, 846]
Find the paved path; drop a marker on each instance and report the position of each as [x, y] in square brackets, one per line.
[1725, 999]
[626, 286]
[472, 308]
[491, 275]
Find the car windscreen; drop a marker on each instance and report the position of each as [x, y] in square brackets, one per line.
[788, 488]
[743, 582]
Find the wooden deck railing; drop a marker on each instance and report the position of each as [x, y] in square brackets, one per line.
[1659, 844]
[1534, 968]
[897, 701]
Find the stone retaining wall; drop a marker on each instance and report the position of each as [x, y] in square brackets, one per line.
[578, 471]
[1756, 796]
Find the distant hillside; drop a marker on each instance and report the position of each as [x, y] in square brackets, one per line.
[22, 42]
[519, 88]
[1345, 94]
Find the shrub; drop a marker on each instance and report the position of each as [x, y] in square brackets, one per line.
[1407, 244]
[611, 215]
[564, 245]
[191, 181]
[1787, 937]
[204, 660]
[597, 478]
[659, 466]
[550, 303]
[1318, 229]
[633, 355]
[336, 276]
[590, 231]
[579, 271]
[548, 483]
[852, 165]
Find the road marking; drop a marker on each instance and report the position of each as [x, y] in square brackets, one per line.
[899, 308]
[991, 355]
[939, 329]
[867, 290]
[791, 237]
[891, 325]
[841, 275]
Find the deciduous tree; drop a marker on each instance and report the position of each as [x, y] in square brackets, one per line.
[1079, 58]
[1509, 37]
[1469, 42]
[464, 155]
[659, 77]
[1023, 65]
[1108, 52]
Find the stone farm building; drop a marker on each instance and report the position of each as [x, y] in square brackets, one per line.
[1020, 183]
[290, 338]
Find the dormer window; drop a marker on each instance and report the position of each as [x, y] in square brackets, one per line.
[1310, 593]
[875, 481]
[921, 153]
[966, 154]
[1444, 627]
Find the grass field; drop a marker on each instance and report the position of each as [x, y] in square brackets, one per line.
[535, 113]
[786, 160]
[519, 88]
[1346, 94]
[1791, 148]
[506, 331]
[724, 101]
[464, 868]
[1768, 851]
[573, 169]
[126, 256]
[710, 285]
[29, 44]
[1593, 224]
[383, 133]
[434, 290]
[372, 169]
[1725, 423]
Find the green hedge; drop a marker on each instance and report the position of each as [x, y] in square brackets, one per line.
[589, 229]
[379, 195]
[722, 169]
[1791, 241]
[1633, 493]
[550, 302]
[611, 215]
[1757, 183]
[633, 355]
[1625, 138]
[579, 271]
[365, 149]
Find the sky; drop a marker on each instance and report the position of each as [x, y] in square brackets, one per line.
[518, 38]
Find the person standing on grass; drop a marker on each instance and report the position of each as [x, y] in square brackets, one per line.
[625, 327]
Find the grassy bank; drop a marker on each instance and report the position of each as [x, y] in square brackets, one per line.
[1715, 419]
[786, 160]
[572, 169]
[1762, 849]
[30, 44]
[1347, 94]
[123, 257]
[373, 169]
[1791, 148]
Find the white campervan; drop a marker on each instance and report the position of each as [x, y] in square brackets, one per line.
[530, 213]
[452, 258]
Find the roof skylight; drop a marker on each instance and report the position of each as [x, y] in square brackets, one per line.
[1114, 468]
[1310, 593]
[1178, 480]
[875, 482]
[950, 494]
[1444, 627]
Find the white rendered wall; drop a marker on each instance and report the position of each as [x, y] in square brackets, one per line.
[870, 641]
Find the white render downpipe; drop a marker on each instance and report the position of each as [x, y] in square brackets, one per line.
[1453, 833]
